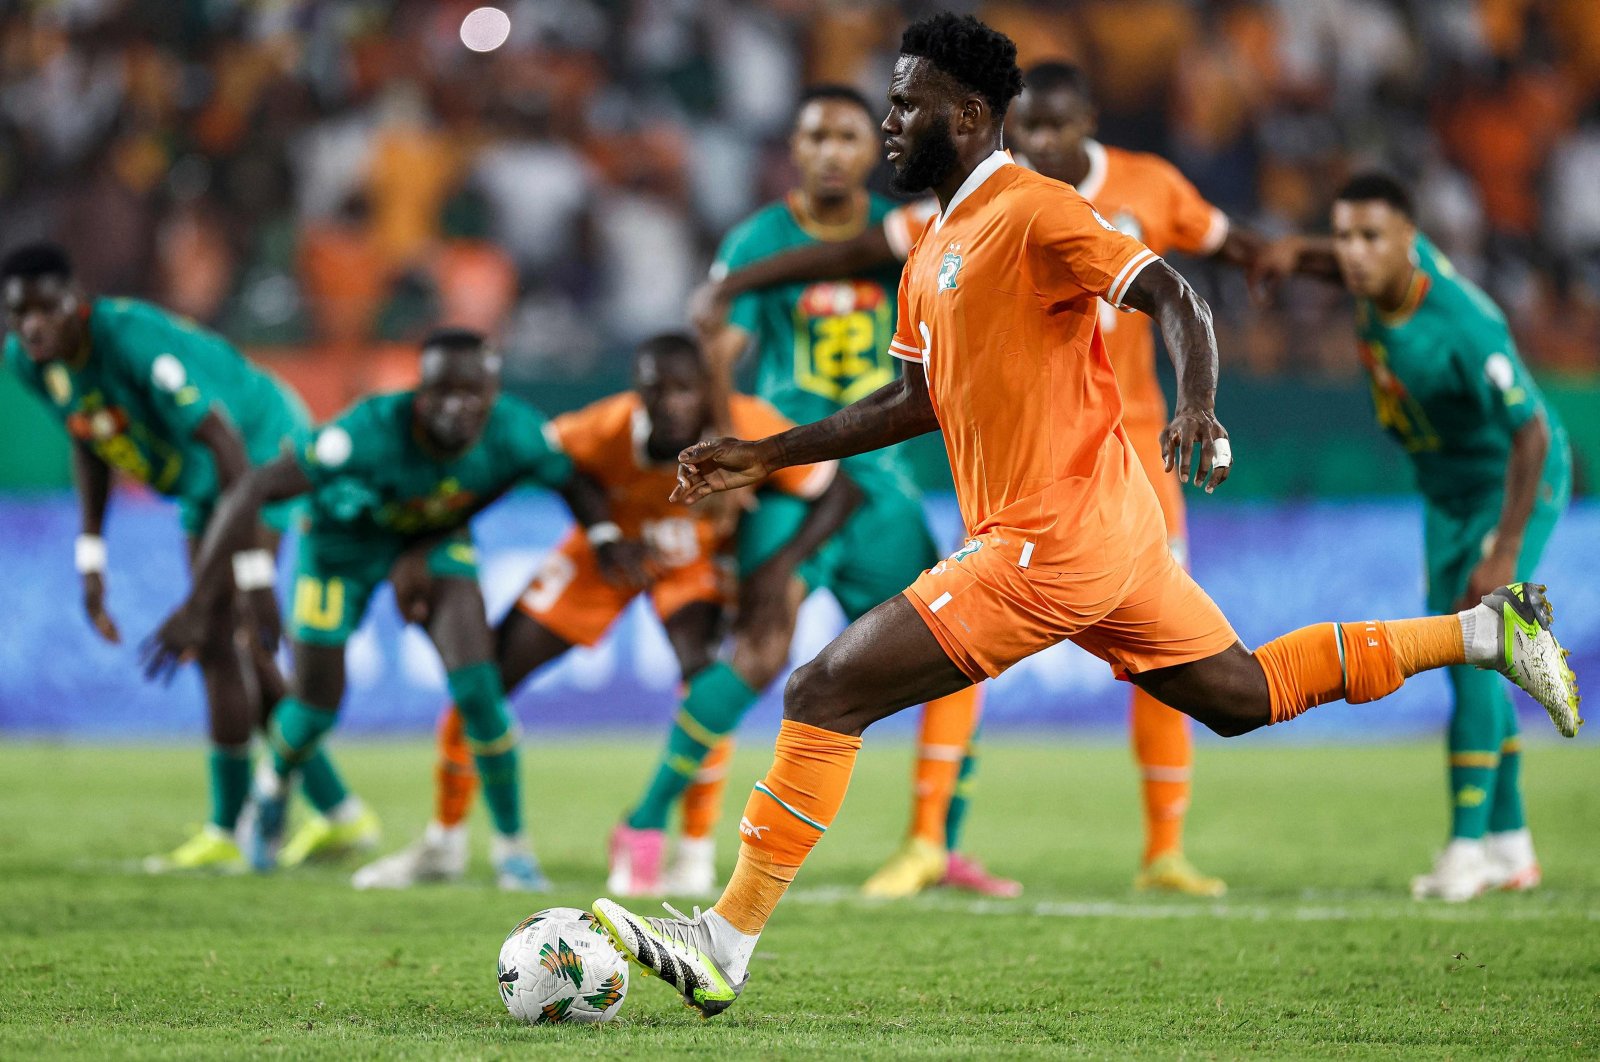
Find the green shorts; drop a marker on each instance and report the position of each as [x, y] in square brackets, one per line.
[264, 439]
[336, 573]
[879, 551]
[1457, 539]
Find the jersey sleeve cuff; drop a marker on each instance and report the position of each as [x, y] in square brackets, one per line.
[904, 351]
[1127, 275]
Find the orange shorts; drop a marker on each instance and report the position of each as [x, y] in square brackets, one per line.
[988, 612]
[570, 597]
[1145, 435]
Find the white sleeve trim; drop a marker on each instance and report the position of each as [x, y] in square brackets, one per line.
[1128, 274]
[904, 352]
[818, 480]
[1216, 235]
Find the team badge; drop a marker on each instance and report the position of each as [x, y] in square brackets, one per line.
[948, 268]
[1127, 224]
[58, 383]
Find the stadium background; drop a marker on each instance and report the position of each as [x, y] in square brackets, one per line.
[322, 180]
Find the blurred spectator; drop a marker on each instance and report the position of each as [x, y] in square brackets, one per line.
[339, 173]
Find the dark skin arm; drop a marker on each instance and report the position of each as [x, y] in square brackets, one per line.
[1185, 323]
[217, 434]
[1529, 447]
[709, 305]
[1310, 256]
[232, 528]
[893, 413]
[92, 477]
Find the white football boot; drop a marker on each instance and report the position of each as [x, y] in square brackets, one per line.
[703, 957]
[440, 854]
[694, 868]
[1462, 872]
[1517, 643]
[1511, 854]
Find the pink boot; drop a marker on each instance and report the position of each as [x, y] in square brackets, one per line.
[965, 872]
[635, 861]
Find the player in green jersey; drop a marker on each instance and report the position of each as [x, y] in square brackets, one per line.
[396, 478]
[1495, 472]
[817, 347]
[179, 409]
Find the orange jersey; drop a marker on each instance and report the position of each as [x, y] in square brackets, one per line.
[607, 441]
[999, 302]
[1146, 197]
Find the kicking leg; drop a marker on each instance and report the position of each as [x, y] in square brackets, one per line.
[886, 661]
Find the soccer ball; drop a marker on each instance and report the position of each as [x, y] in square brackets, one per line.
[559, 965]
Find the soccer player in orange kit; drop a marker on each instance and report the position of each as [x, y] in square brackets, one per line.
[998, 305]
[1143, 195]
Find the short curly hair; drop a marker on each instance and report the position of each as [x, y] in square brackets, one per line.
[979, 57]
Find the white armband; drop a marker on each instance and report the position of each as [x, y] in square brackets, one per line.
[603, 533]
[254, 569]
[89, 554]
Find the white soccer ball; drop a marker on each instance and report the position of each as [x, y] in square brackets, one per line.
[559, 965]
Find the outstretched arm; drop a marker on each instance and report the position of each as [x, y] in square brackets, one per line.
[1185, 322]
[232, 528]
[893, 413]
[816, 261]
[1310, 256]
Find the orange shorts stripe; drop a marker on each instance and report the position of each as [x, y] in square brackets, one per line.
[988, 613]
[570, 597]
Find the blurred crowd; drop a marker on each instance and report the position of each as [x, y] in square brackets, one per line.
[336, 174]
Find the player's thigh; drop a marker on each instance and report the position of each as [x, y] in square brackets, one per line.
[458, 623]
[693, 630]
[522, 646]
[569, 595]
[1453, 543]
[334, 580]
[884, 662]
[769, 526]
[884, 547]
[318, 674]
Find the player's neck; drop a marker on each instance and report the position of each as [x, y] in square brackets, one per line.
[1076, 169]
[830, 217]
[79, 351]
[1399, 293]
[970, 155]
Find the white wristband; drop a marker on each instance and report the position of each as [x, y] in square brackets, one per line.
[603, 533]
[89, 554]
[254, 569]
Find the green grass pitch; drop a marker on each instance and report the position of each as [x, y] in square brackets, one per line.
[1317, 951]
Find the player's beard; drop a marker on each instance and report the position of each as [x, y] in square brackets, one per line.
[928, 163]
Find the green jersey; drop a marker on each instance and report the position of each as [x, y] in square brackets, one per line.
[819, 345]
[371, 475]
[1448, 384]
[150, 378]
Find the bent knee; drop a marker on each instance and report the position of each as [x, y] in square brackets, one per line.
[815, 697]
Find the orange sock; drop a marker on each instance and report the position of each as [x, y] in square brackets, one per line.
[702, 801]
[786, 815]
[1360, 662]
[1162, 745]
[947, 727]
[455, 776]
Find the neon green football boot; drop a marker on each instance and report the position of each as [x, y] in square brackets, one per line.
[323, 839]
[211, 848]
[1529, 654]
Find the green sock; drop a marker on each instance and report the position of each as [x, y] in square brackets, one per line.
[1475, 735]
[715, 702]
[957, 815]
[1505, 810]
[230, 783]
[492, 737]
[320, 781]
[294, 732]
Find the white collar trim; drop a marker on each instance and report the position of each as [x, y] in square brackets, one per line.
[984, 170]
[1095, 180]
